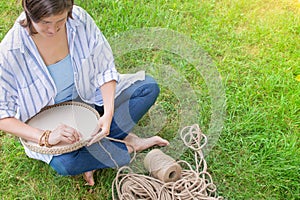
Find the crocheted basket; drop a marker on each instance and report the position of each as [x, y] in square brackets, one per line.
[78, 115]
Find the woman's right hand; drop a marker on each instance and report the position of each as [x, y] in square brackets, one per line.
[64, 134]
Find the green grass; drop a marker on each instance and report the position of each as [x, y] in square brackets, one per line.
[255, 45]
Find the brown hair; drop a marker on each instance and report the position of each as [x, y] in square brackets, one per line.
[36, 10]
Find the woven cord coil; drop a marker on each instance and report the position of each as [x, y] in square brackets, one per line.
[195, 182]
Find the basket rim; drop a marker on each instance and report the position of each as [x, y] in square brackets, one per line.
[61, 149]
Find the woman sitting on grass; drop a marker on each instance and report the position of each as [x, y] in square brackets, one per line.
[55, 53]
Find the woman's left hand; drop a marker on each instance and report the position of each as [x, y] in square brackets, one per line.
[102, 130]
[103, 126]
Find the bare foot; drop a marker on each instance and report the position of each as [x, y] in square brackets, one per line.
[140, 144]
[89, 178]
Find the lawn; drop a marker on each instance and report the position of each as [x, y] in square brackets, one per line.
[244, 93]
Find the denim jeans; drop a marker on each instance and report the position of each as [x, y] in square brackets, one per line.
[130, 107]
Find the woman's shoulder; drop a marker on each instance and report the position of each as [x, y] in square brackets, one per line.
[82, 19]
[12, 37]
[80, 14]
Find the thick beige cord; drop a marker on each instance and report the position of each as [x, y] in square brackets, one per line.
[195, 183]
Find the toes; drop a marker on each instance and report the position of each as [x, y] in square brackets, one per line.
[161, 142]
[89, 178]
[140, 144]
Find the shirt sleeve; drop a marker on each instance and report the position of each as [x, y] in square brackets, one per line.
[8, 94]
[102, 54]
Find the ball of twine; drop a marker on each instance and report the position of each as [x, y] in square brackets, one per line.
[193, 183]
[162, 166]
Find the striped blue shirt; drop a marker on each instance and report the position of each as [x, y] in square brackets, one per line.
[26, 85]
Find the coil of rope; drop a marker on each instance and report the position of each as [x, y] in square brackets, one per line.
[195, 183]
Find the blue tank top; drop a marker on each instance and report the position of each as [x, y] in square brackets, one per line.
[63, 76]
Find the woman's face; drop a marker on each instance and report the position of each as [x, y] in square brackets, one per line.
[50, 26]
